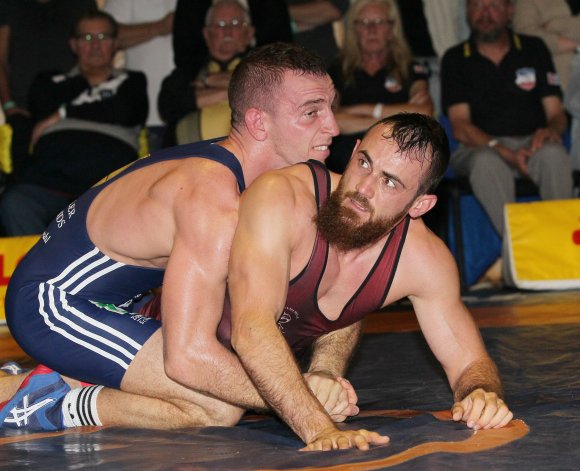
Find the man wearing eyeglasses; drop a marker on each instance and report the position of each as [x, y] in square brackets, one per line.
[198, 109]
[375, 75]
[87, 124]
[502, 95]
[33, 38]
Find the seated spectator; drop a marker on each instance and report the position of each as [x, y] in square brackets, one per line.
[33, 38]
[314, 25]
[228, 34]
[87, 125]
[375, 76]
[145, 28]
[572, 103]
[503, 99]
[270, 19]
[431, 27]
[557, 22]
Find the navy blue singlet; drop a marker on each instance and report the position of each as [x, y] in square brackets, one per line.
[68, 305]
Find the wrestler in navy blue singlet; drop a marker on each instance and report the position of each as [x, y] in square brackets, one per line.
[68, 305]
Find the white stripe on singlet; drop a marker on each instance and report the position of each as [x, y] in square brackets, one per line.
[53, 308]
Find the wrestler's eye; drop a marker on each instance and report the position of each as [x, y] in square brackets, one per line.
[363, 163]
[389, 182]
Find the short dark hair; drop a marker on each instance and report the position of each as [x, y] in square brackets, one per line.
[425, 138]
[257, 78]
[92, 15]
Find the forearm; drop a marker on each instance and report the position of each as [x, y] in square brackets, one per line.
[133, 34]
[210, 96]
[482, 374]
[470, 135]
[314, 13]
[213, 370]
[269, 361]
[4, 89]
[558, 123]
[426, 108]
[332, 352]
[358, 118]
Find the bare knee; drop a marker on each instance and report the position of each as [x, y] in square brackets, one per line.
[218, 415]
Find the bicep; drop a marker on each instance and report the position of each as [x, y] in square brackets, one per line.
[459, 113]
[259, 266]
[552, 106]
[195, 279]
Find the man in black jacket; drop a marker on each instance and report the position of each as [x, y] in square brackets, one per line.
[87, 124]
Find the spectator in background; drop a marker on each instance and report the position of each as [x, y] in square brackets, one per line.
[572, 103]
[145, 28]
[269, 17]
[33, 37]
[375, 76]
[228, 34]
[503, 99]
[313, 25]
[557, 22]
[431, 27]
[87, 125]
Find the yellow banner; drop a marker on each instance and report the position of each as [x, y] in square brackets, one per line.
[543, 244]
[12, 249]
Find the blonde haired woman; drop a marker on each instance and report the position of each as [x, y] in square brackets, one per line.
[375, 75]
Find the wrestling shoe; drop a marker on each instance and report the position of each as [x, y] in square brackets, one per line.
[37, 405]
[13, 368]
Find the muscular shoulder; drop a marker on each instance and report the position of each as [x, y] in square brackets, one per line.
[281, 188]
[204, 181]
[426, 265]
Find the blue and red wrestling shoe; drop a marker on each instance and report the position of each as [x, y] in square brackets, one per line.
[37, 405]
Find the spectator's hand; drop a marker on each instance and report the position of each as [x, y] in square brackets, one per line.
[41, 126]
[336, 395]
[543, 135]
[517, 159]
[334, 439]
[480, 409]
[218, 80]
[166, 24]
[420, 98]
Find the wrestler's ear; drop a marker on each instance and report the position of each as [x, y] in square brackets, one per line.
[255, 123]
[421, 205]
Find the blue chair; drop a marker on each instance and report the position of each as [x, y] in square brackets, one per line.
[470, 234]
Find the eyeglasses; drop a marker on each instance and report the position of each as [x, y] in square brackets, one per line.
[90, 37]
[235, 23]
[364, 23]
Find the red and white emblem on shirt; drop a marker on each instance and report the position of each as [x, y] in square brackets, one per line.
[526, 78]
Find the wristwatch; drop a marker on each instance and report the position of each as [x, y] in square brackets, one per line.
[493, 143]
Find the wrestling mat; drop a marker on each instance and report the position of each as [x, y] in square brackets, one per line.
[402, 393]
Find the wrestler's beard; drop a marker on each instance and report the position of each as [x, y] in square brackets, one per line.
[342, 228]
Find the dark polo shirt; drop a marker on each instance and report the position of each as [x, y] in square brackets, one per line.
[504, 100]
[378, 88]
